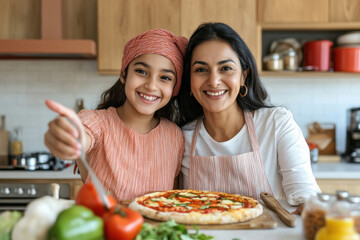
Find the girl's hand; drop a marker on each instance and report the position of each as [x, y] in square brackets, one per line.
[62, 136]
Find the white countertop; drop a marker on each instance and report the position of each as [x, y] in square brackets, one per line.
[66, 173]
[342, 170]
[280, 232]
[331, 170]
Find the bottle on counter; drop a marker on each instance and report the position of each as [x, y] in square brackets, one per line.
[16, 145]
[339, 224]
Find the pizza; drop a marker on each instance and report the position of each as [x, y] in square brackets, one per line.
[197, 207]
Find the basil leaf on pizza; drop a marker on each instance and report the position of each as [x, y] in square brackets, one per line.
[197, 207]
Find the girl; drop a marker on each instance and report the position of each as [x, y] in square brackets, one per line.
[234, 141]
[129, 140]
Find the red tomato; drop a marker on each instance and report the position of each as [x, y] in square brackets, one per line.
[88, 197]
[161, 204]
[122, 224]
[182, 199]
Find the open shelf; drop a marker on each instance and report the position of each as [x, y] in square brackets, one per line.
[302, 32]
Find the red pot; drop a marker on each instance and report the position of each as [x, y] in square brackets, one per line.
[347, 59]
[317, 55]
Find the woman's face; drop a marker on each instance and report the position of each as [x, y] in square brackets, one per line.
[216, 75]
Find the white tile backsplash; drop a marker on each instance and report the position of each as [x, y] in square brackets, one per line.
[321, 99]
[25, 84]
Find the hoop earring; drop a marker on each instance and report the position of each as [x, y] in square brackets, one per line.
[243, 94]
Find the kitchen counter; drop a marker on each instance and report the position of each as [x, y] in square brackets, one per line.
[342, 170]
[331, 170]
[280, 232]
[66, 173]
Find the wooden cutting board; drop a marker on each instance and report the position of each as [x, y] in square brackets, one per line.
[264, 221]
[4, 141]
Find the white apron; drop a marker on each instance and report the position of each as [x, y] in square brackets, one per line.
[242, 174]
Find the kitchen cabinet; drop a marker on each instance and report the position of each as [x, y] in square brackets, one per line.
[295, 11]
[331, 185]
[308, 11]
[304, 20]
[344, 11]
[22, 19]
[119, 21]
[239, 14]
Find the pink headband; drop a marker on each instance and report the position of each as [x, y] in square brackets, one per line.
[157, 41]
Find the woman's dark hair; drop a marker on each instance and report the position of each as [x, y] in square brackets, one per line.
[189, 108]
[115, 97]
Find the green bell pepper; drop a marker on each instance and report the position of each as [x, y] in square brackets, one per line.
[77, 222]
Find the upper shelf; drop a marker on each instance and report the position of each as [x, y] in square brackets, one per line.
[308, 74]
[311, 26]
[269, 32]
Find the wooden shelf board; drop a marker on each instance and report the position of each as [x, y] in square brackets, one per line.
[324, 26]
[307, 74]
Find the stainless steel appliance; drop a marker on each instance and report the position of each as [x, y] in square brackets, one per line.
[35, 161]
[353, 136]
[16, 196]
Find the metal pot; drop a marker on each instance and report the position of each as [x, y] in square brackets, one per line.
[25, 161]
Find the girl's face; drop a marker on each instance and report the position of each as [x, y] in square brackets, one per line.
[216, 75]
[149, 83]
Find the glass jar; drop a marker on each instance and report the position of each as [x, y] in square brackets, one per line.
[290, 60]
[314, 152]
[355, 211]
[339, 222]
[273, 62]
[313, 215]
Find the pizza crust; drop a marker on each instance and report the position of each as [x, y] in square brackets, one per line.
[231, 216]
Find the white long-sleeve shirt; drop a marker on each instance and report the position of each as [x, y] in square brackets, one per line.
[284, 152]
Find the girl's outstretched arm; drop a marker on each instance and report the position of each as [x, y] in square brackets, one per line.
[63, 133]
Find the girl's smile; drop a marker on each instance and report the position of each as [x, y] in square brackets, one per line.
[148, 98]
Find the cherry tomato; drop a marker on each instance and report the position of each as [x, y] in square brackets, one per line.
[88, 197]
[182, 199]
[122, 223]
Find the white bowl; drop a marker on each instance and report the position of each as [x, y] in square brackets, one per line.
[349, 38]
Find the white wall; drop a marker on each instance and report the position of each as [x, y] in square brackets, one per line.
[323, 99]
[25, 84]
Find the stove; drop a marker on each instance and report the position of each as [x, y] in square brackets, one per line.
[16, 196]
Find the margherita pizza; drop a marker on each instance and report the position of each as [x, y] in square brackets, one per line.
[197, 207]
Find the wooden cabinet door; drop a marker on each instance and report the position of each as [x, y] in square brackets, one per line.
[344, 11]
[239, 14]
[293, 11]
[20, 19]
[121, 20]
[331, 185]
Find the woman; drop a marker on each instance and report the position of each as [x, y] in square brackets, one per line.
[234, 141]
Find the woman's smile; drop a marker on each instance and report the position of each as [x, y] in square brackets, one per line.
[215, 93]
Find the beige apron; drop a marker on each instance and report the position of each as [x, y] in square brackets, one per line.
[242, 174]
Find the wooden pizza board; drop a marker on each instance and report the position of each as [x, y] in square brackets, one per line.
[264, 221]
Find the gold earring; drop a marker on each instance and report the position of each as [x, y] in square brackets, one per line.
[243, 94]
[191, 93]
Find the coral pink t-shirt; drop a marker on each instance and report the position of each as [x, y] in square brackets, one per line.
[130, 164]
